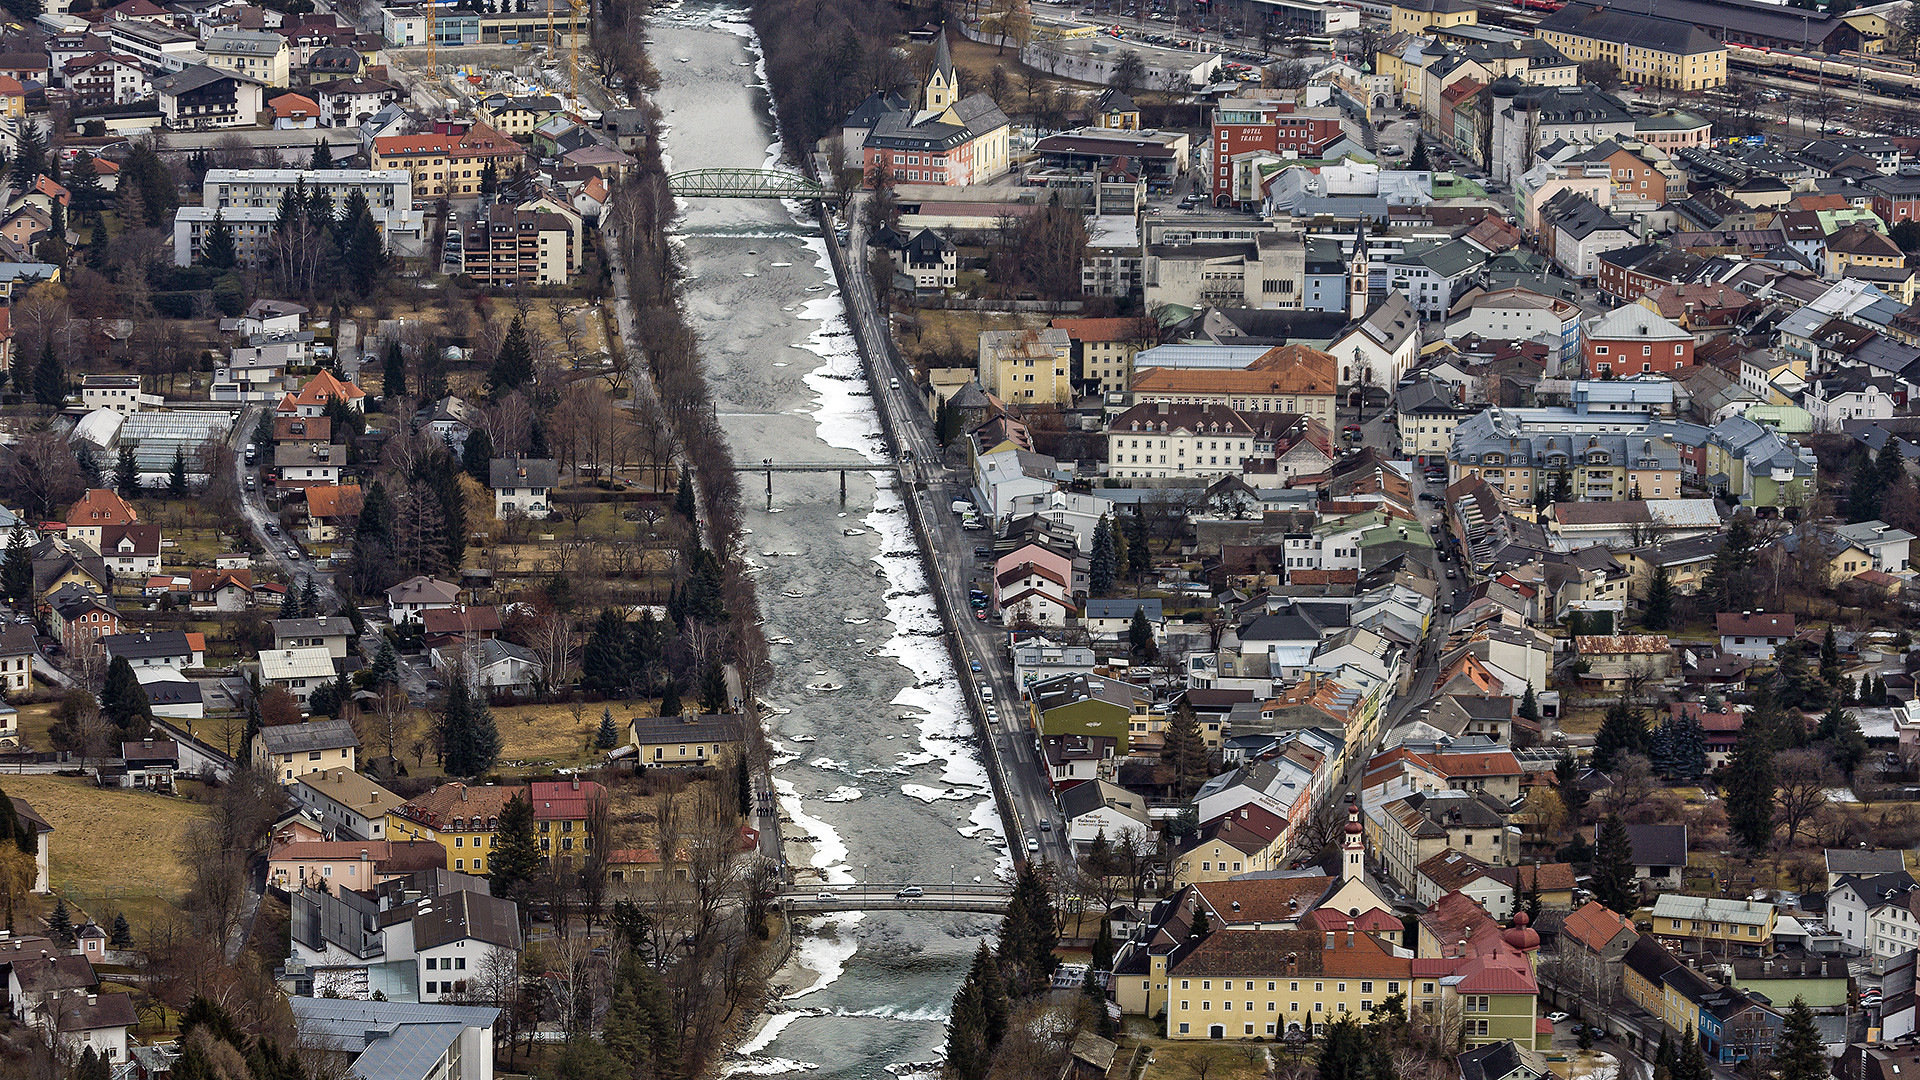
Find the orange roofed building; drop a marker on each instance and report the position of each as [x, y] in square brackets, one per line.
[1285, 379]
[98, 510]
[313, 397]
[449, 162]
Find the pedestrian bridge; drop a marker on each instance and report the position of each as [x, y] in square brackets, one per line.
[987, 899]
[816, 466]
[745, 184]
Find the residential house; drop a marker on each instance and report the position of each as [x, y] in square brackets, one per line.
[562, 810]
[1753, 634]
[1624, 661]
[162, 648]
[415, 595]
[441, 627]
[1408, 831]
[1250, 839]
[1659, 854]
[18, 647]
[1875, 914]
[685, 740]
[299, 671]
[220, 590]
[290, 751]
[329, 632]
[1742, 927]
[492, 666]
[349, 864]
[79, 617]
[349, 805]
[522, 486]
[1633, 340]
[88, 1020]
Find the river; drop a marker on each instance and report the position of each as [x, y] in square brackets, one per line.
[881, 779]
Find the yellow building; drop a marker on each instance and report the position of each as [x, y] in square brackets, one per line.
[684, 740]
[290, 751]
[1243, 841]
[1729, 927]
[1646, 49]
[515, 116]
[462, 818]
[449, 163]
[1104, 350]
[1027, 367]
[1241, 984]
[1413, 16]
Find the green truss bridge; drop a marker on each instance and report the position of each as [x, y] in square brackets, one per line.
[745, 184]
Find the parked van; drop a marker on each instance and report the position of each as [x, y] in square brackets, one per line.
[911, 892]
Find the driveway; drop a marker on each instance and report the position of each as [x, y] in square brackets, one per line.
[296, 565]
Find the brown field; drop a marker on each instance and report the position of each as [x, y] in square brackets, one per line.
[96, 835]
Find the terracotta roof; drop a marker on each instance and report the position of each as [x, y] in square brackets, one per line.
[460, 620]
[334, 500]
[101, 507]
[554, 800]
[1284, 369]
[1263, 899]
[1278, 953]
[1101, 329]
[438, 808]
[324, 386]
[1371, 921]
[1594, 924]
[1545, 877]
[1452, 870]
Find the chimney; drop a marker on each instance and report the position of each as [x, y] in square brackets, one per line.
[576, 782]
[92, 1000]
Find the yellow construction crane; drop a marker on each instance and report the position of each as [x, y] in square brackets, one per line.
[573, 47]
[433, 73]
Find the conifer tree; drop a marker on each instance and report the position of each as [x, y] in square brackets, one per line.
[1657, 615]
[1529, 705]
[1729, 583]
[60, 924]
[513, 367]
[216, 247]
[1029, 934]
[743, 785]
[1798, 1050]
[1750, 785]
[126, 473]
[1185, 748]
[608, 734]
[684, 503]
[713, 688]
[386, 664]
[1100, 568]
[1623, 730]
[476, 457]
[670, 698]
[177, 475]
[309, 600]
[16, 571]
[124, 701]
[515, 858]
[1830, 659]
[1613, 867]
[470, 742]
[49, 378]
[122, 937]
[1140, 635]
[393, 370]
[322, 156]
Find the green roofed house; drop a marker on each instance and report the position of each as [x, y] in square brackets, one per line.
[1086, 705]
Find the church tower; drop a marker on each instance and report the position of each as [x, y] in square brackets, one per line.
[1353, 857]
[943, 85]
[1357, 275]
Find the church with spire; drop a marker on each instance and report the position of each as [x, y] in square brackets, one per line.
[944, 138]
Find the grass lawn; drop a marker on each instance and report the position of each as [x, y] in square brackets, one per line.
[1190, 1059]
[34, 721]
[551, 733]
[96, 833]
[1581, 721]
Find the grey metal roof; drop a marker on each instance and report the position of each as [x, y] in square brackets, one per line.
[326, 627]
[1124, 608]
[391, 1040]
[147, 646]
[522, 472]
[329, 734]
[656, 729]
[459, 915]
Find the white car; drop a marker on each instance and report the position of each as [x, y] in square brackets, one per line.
[1556, 1017]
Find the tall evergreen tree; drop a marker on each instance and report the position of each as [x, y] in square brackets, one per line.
[1830, 659]
[393, 370]
[1729, 581]
[1798, 1050]
[124, 701]
[29, 156]
[513, 367]
[476, 457]
[122, 936]
[386, 664]
[1658, 613]
[1623, 730]
[1139, 556]
[1140, 635]
[49, 378]
[365, 253]
[713, 687]
[470, 743]
[603, 660]
[1613, 867]
[684, 503]
[322, 156]
[1185, 748]
[216, 247]
[1750, 786]
[670, 698]
[1029, 934]
[97, 244]
[515, 858]
[177, 475]
[1566, 782]
[126, 473]
[60, 923]
[607, 735]
[1100, 568]
[16, 571]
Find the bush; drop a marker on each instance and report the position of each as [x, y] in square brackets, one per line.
[174, 305]
[228, 298]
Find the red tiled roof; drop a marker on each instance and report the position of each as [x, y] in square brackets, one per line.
[556, 800]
